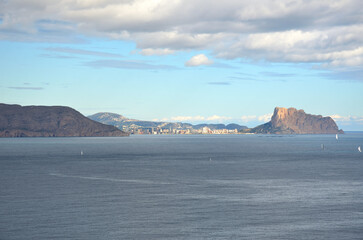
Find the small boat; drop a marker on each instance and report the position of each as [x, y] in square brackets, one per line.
[336, 136]
[81, 152]
[359, 149]
[322, 146]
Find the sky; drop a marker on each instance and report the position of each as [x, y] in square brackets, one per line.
[195, 61]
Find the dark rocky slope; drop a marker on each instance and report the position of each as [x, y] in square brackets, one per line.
[55, 121]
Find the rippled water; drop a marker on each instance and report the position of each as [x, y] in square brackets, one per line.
[182, 187]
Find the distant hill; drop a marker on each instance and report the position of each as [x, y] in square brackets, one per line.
[293, 121]
[120, 121]
[123, 122]
[54, 121]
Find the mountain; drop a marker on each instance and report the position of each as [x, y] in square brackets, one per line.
[54, 121]
[125, 123]
[122, 122]
[293, 121]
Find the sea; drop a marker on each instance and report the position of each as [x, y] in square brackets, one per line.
[182, 187]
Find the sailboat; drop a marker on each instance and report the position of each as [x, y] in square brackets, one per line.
[322, 146]
[81, 152]
[336, 136]
[359, 149]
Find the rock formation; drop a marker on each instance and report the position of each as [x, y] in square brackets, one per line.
[292, 121]
[55, 121]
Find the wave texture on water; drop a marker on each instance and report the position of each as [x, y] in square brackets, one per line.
[182, 187]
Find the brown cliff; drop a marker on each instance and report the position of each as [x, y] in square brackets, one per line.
[55, 121]
[292, 121]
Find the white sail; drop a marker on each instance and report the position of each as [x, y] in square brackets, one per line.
[359, 149]
[81, 153]
[336, 136]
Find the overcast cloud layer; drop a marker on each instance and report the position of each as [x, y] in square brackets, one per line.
[325, 32]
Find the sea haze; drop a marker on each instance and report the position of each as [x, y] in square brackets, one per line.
[182, 187]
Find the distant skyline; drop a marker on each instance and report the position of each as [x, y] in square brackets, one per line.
[195, 61]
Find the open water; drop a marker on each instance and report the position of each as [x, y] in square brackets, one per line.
[182, 187]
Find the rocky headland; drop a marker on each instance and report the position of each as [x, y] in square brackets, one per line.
[50, 121]
[293, 121]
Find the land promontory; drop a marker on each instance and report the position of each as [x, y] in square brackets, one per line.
[50, 121]
[293, 121]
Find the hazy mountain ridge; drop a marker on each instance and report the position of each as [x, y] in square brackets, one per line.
[50, 121]
[121, 121]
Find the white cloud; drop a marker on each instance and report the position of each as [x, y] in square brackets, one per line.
[325, 32]
[253, 118]
[158, 51]
[344, 120]
[282, 41]
[198, 60]
[218, 118]
[337, 117]
[265, 118]
[187, 118]
[250, 118]
[213, 118]
[326, 47]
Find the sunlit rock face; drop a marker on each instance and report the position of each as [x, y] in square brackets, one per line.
[293, 121]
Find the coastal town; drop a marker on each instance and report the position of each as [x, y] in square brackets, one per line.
[134, 126]
[165, 131]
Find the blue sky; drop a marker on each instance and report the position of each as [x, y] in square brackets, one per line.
[191, 61]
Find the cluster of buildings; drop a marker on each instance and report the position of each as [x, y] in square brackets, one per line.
[160, 130]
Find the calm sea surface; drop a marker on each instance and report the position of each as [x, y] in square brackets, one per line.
[182, 187]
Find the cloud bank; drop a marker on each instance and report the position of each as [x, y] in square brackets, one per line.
[325, 32]
[348, 120]
[255, 120]
[214, 118]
